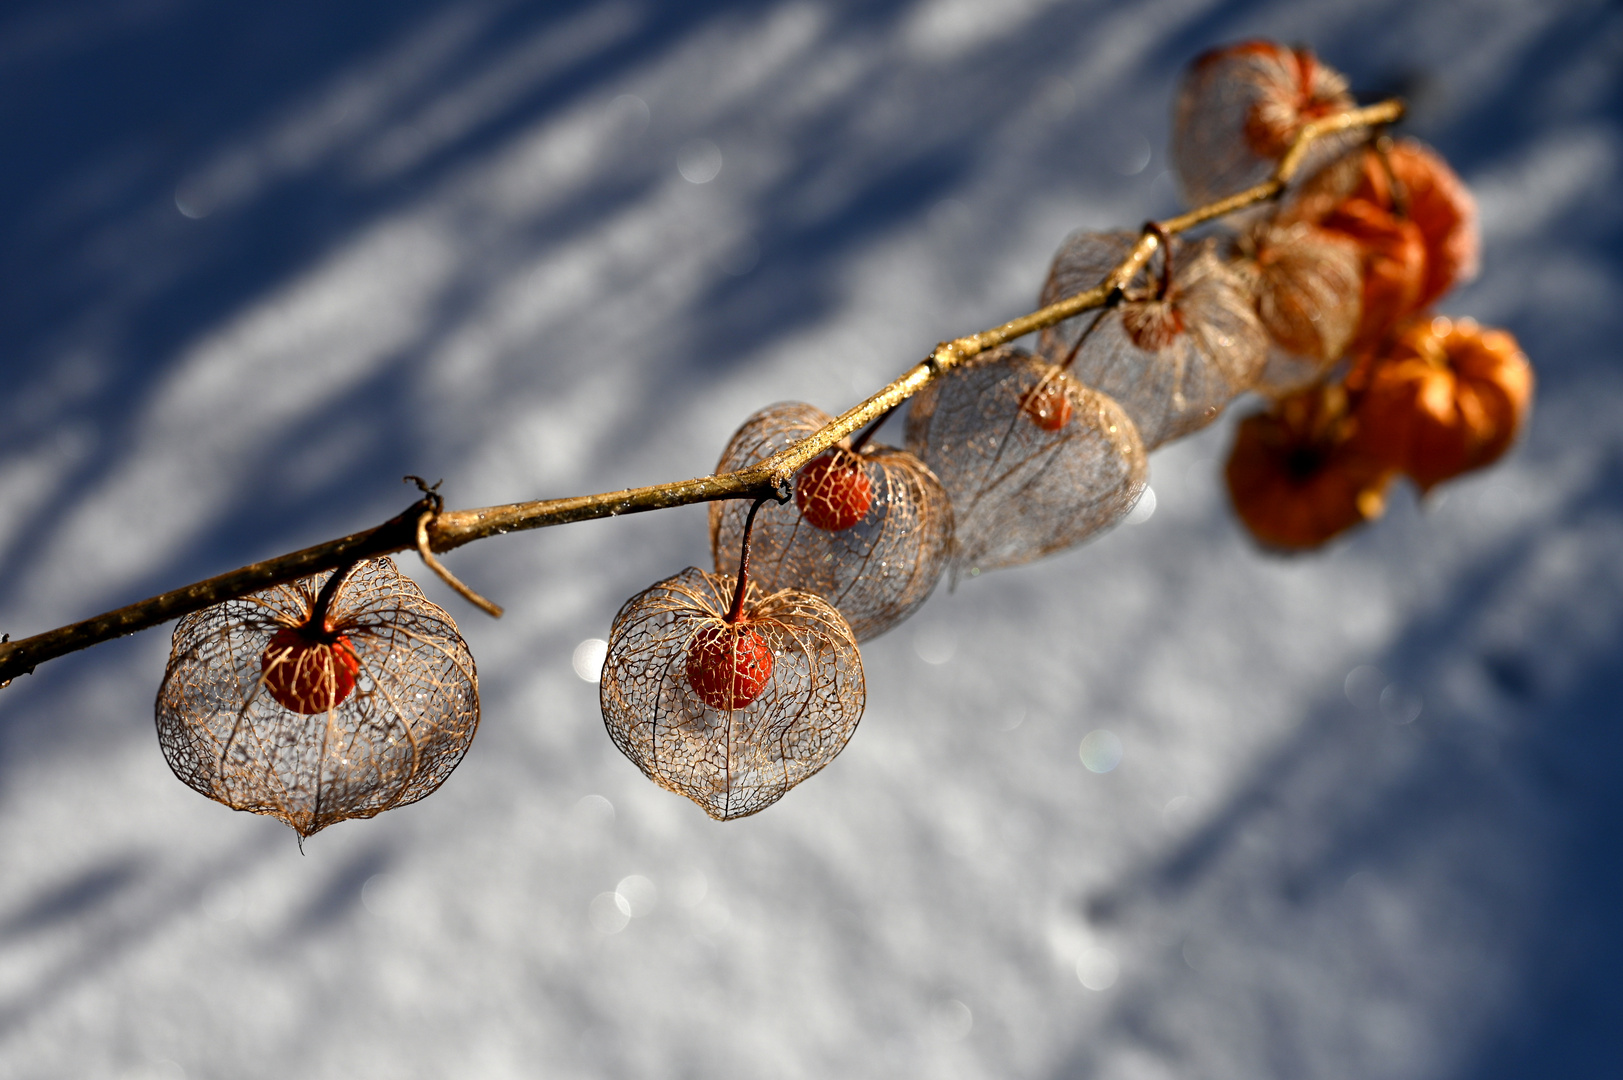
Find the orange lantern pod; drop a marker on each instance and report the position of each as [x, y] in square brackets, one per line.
[1394, 253]
[1449, 398]
[1415, 182]
[1294, 476]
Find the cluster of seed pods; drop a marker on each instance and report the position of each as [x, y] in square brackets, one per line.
[1364, 382]
[1316, 303]
[348, 694]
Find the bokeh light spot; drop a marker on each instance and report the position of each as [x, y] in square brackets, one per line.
[637, 895]
[1100, 751]
[699, 161]
[589, 657]
[1097, 968]
[608, 913]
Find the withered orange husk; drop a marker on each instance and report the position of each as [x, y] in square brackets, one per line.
[1431, 195]
[1295, 478]
[1448, 398]
[1413, 183]
[1394, 254]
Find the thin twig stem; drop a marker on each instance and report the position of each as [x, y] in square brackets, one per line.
[770, 478]
[494, 610]
[324, 599]
[744, 564]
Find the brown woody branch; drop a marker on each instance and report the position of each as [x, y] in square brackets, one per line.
[451, 529]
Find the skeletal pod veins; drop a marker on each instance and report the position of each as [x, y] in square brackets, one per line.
[1172, 354]
[1241, 107]
[1308, 284]
[1026, 476]
[271, 707]
[869, 529]
[730, 714]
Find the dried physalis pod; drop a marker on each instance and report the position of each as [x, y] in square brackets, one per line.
[1449, 397]
[1308, 283]
[1394, 267]
[1172, 353]
[1239, 109]
[1033, 461]
[325, 699]
[869, 530]
[1413, 182]
[1296, 478]
[730, 706]
[1412, 218]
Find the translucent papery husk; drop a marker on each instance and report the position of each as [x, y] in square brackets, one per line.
[1021, 489]
[391, 740]
[1239, 109]
[876, 572]
[732, 762]
[1295, 476]
[1172, 362]
[1308, 284]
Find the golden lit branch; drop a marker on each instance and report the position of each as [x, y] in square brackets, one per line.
[451, 529]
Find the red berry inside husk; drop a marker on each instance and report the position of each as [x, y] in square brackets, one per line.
[1048, 406]
[833, 492]
[306, 674]
[728, 665]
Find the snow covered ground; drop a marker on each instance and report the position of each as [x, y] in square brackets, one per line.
[258, 260]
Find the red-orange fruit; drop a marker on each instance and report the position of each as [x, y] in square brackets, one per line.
[307, 674]
[1449, 397]
[1294, 477]
[1394, 252]
[728, 666]
[1048, 406]
[833, 491]
[1239, 109]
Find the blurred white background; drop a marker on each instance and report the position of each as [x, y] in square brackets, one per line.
[1160, 807]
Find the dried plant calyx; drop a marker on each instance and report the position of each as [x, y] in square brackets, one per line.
[1308, 284]
[1239, 109]
[730, 714]
[1449, 397]
[868, 530]
[312, 717]
[1172, 355]
[1295, 476]
[1021, 486]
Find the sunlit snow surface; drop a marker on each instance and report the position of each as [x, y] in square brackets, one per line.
[1160, 807]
